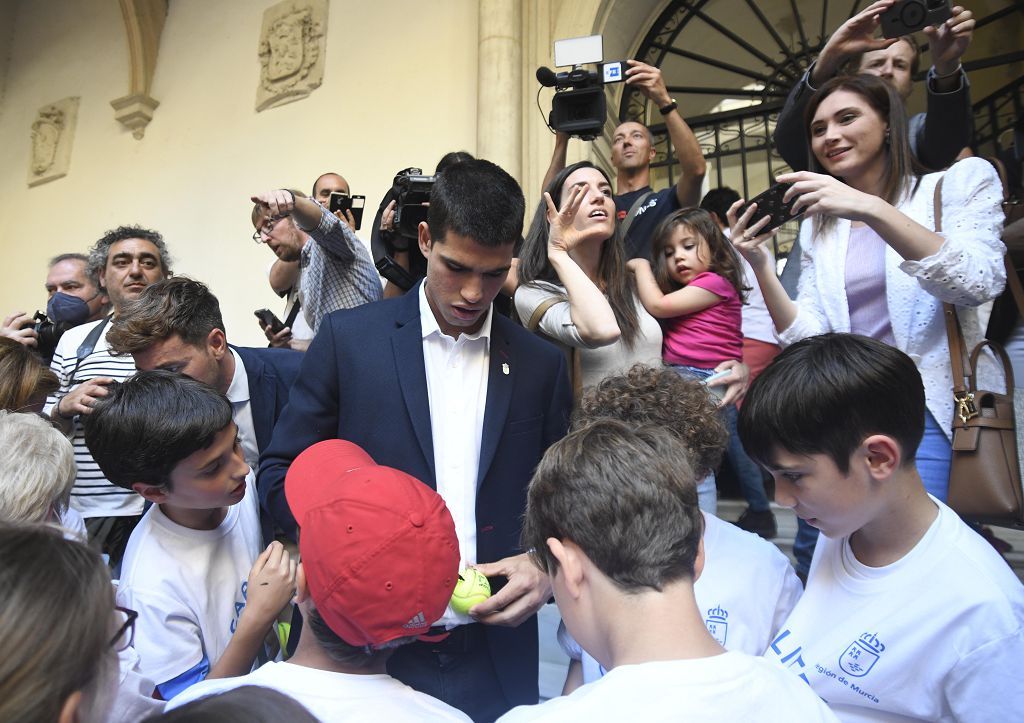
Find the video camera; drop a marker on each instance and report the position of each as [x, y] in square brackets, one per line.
[412, 193]
[579, 106]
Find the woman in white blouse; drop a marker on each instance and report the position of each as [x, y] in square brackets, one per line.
[872, 262]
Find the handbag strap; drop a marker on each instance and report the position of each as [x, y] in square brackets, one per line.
[540, 311]
[575, 372]
[959, 358]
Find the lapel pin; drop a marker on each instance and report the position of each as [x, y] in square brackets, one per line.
[504, 369]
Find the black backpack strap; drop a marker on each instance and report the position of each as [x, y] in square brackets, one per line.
[88, 346]
[631, 214]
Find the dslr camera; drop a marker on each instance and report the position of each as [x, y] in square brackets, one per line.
[48, 334]
[579, 106]
[909, 16]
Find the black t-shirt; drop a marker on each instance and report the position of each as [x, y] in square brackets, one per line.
[648, 216]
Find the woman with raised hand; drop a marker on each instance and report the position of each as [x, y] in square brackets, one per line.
[572, 267]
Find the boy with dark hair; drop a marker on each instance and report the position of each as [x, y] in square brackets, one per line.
[612, 516]
[193, 570]
[176, 325]
[748, 587]
[379, 562]
[908, 613]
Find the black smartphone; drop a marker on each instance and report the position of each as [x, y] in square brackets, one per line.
[770, 203]
[390, 270]
[909, 16]
[344, 202]
[269, 318]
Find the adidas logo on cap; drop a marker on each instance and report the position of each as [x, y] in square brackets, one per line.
[418, 621]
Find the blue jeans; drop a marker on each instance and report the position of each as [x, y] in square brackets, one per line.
[934, 456]
[933, 459]
[707, 494]
[747, 473]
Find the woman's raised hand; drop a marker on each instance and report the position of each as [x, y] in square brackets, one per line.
[563, 234]
[746, 236]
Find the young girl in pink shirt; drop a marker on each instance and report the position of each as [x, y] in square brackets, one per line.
[695, 290]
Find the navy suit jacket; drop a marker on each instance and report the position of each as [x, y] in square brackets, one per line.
[271, 373]
[363, 379]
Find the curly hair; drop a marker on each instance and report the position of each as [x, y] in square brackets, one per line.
[645, 395]
[100, 251]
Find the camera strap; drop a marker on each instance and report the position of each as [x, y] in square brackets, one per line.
[86, 348]
[293, 312]
[631, 214]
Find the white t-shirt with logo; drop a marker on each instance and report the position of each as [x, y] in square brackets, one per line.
[728, 687]
[188, 586]
[746, 591]
[937, 635]
[336, 696]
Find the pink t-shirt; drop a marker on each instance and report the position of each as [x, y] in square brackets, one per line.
[710, 336]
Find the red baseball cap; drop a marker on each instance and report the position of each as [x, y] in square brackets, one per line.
[377, 545]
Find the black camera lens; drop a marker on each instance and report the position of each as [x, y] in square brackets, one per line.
[912, 14]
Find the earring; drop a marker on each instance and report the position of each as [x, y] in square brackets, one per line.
[886, 136]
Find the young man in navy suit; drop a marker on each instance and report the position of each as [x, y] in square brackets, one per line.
[176, 325]
[438, 385]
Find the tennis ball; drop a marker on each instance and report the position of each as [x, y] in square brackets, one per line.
[471, 589]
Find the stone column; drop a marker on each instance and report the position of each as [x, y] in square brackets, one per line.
[500, 85]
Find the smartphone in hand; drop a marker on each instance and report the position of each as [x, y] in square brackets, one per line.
[269, 319]
[770, 203]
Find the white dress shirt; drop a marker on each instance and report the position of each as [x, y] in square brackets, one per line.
[456, 371]
[241, 412]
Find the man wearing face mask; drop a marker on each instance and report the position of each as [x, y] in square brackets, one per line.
[75, 297]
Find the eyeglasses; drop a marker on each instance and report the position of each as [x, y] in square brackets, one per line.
[125, 636]
[266, 228]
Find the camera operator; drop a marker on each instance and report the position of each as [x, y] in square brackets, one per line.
[74, 298]
[637, 206]
[937, 136]
[387, 241]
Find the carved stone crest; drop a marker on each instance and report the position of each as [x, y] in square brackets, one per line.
[291, 51]
[53, 130]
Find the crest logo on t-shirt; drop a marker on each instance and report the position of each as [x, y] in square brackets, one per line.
[717, 625]
[861, 655]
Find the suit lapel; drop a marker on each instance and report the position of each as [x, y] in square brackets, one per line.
[407, 345]
[262, 388]
[500, 381]
[262, 405]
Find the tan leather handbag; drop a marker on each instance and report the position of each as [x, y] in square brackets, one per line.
[984, 477]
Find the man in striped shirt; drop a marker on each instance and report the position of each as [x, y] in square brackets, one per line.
[127, 260]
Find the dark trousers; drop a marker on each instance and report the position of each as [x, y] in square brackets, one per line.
[109, 536]
[457, 670]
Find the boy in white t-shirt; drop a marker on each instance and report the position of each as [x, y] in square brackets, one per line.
[205, 594]
[747, 587]
[612, 518]
[908, 614]
[380, 560]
